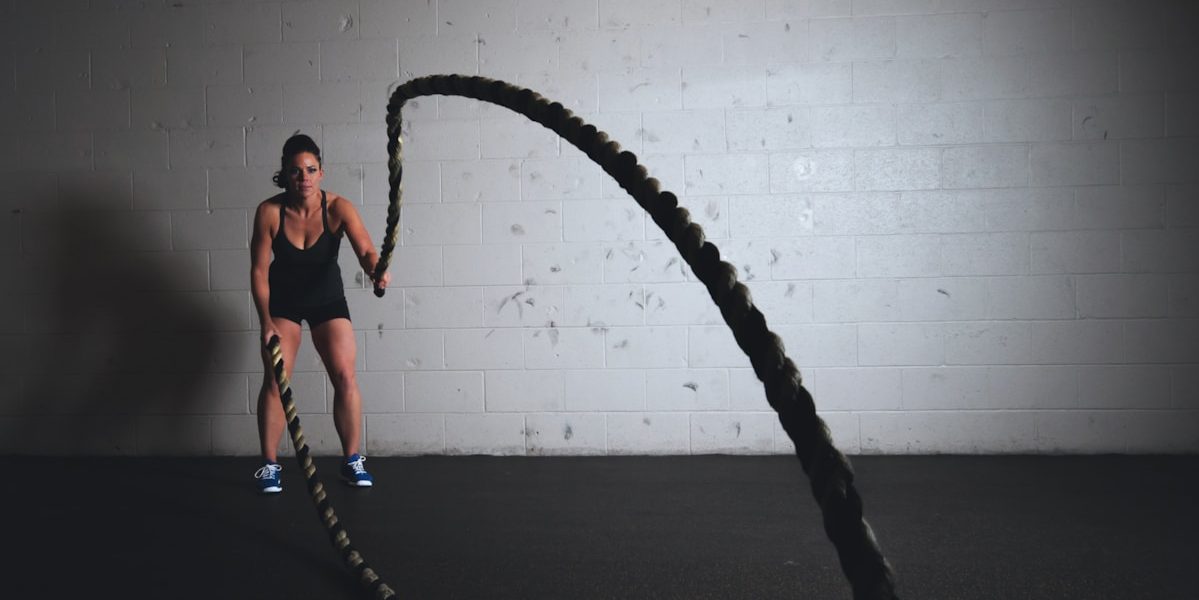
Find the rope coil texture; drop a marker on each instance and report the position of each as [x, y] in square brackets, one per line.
[370, 581]
[828, 470]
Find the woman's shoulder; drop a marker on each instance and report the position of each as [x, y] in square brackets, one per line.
[269, 209]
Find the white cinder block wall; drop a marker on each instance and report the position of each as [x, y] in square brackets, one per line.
[974, 222]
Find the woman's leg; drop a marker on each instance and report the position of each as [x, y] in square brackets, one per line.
[271, 419]
[335, 342]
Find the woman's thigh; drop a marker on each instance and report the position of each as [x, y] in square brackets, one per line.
[338, 347]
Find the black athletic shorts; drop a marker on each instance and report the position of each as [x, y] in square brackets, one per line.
[315, 315]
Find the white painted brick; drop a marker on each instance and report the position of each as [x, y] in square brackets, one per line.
[649, 433]
[552, 435]
[131, 149]
[1075, 164]
[1122, 296]
[861, 213]
[621, 14]
[725, 86]
[1161, 341]
[1074, 342]
[985, 254]
[1116, 386]
[676, 46]
[855, 300]
[897, 169]
[311, 20]
[485, 16]
[777, 9]
[242, 23]
[405, 435]
[605, 390]
[391, 350]
[522, 222]
[624, 128]
[502, 435]
[815, 258]
[1186, 386]
[549, 264]
[1032, 387]
[1027, 31]
[1181, 209]
[295, 62]
[443, 307]
[482, 265]
[413, 266]
[819, 83]
[1121, 26]
[783, 302]
[768, 129]
[602, 221]
[442, 224]
[320, 103]
[353, 142]
[577, 92]
[42, 151]
[642, 262]
[42, 69]
[1155, 71]
[901, 344]
[391, 19]
[223, 65]
[484, 349]
[560, 179]
[1182, 118]
[732, 433]
[380, 392]
[856, 389]
[174, 189]
[770, 216]
[746, 392]
[174, 435]
[457, 391]
[984, 78]
[237, 105]
[161, 26]
[646, 347]
[123, 68]
[376, 314]
[821, 345]
[27, 110]
[899, 256]
[1027, 120]
[321, 436]
[986, 166]
[1075, 252]
[229, 269]
[983, 343]
[525, 391]
[1074, 74]
[710, 213]
[687, 389]
[940, 212]
[528, 51]
[556, 15]
[1117, 431]
[751, 258]
[811, 171]
[1119, 117]
[480, 180]
[558, 348]
[680, 304]
[1025, 210]
[592, 51]
[949, 123]
[603, 305]
[714, 347]
[516, 138]
[1184, 296]
[939, 36]
[1158, 161]
[264, 142]
[948, 432]
[1030, 298]
[857, 39]
[689, 131]
[159, 109]
[209, 230]
[641, 89]
[853, 126]
[208, 147]
[108, 189]
[1123, 207]
[767, 43]
[727, 173]
[234, 435]
[897, 81]
[447, 52]
[843, 430]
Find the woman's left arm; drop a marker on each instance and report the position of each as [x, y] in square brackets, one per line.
[360, 240]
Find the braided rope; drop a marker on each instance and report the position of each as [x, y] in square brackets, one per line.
[828, 470]
[367, 577]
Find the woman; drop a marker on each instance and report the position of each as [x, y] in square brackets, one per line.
[302, 227]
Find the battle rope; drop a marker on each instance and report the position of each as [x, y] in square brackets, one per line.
[829, 471]
[367, 577]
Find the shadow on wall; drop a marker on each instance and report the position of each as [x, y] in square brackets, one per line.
[118, 332]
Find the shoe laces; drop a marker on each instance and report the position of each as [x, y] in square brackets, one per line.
[356, 465]
[268, 471]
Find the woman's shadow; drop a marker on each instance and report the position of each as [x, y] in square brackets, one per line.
[117, 334]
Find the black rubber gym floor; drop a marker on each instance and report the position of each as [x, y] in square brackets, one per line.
[953, 527]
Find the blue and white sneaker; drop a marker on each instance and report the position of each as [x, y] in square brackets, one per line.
[354, 473]
[269, 481]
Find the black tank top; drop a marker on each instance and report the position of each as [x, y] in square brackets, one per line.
[306, 277]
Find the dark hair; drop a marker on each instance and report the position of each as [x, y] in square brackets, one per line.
[294, 145]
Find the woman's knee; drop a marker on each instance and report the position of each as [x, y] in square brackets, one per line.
[344, 379]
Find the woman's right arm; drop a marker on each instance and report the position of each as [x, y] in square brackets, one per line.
[260, 263]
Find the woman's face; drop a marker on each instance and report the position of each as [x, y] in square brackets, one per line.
[303, 174]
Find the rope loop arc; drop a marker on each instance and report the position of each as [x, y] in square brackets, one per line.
[828, 470]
